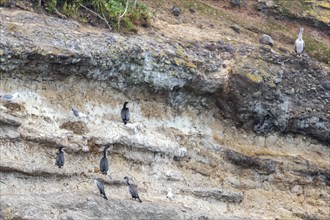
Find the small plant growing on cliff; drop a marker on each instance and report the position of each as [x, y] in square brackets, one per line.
[118, 14]
[52, 5]
[2, 2]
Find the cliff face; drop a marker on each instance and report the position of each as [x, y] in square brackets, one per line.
[185, 96]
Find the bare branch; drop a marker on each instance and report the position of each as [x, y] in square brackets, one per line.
[121, 16]
[126, 7]
[59, 13]
[99, 16]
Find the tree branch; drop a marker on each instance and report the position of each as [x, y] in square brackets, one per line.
[99, 16]
[59, 13]
[121, 16]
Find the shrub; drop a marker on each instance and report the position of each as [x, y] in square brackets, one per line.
[114, 11]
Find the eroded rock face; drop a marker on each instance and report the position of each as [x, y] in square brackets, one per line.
[77, 206]
[287, 99]
[276, 92]
[263, 165]
[176, 138]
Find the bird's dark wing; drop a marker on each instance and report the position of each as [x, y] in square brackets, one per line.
[101, 187]
[104, 164]
[75, 112]
[60, 159]
[133, 191]
[125, 115]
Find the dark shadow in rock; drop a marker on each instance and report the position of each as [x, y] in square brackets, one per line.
[264, 166]
[14, 107]
[9, 120]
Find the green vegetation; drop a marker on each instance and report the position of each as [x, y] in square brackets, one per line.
[4, 3]
[317, 49]
[295, 6]
[302, 8]
[325, 5]
[117, 14]
[200, 6]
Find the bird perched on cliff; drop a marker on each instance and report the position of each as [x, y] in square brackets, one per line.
[60, 157]
[299, 44]
[9, 97]
[100, 186]
[170, 195]
[132, 189]
[78, 114]
[104, 164]
[125, 115]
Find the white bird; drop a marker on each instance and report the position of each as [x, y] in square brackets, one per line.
[170, 195]
[299, 44]
[9, 97]
[78, 114]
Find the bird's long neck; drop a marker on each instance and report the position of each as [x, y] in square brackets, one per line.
[105, 152]
[125, 105]
[300, 35]
[127, 182]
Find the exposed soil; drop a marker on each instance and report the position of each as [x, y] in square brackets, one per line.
[201, 25]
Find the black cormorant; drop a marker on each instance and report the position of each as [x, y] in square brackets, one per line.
[125, 113]
[132, 189]
[100, 186]
[60, 157]
[104, 163]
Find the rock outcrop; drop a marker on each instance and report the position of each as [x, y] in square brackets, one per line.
[185, 98]
[286, 95]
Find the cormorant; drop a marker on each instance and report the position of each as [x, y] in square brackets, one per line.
[100, 186]
[104, 164]
[132, 189]
[125, 113]
[299, 44]
[60, 157]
